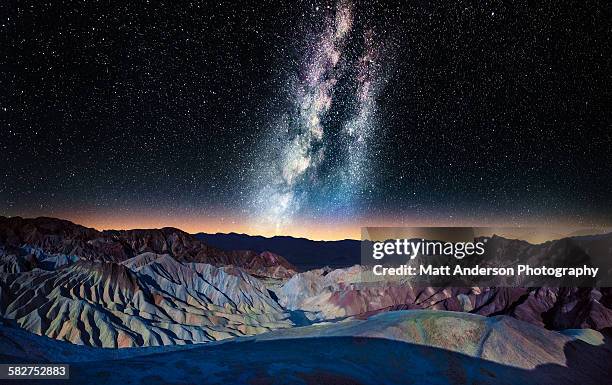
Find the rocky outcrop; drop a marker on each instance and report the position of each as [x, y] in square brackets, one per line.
[60, 242]
[148, 300]
[323, 294]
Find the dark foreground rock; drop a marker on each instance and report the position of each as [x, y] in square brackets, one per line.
[404, 347]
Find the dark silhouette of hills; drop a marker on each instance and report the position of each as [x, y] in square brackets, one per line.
[306, 254]
[302, 253]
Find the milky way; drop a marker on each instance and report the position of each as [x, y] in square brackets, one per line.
[309, 115]
[313, 165]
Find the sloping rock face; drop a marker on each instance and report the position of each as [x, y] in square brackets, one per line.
[420, 347]
[323, 294]
[558, 253]
[54, 242]
[499, 339]
[55, 236]
[147, 300]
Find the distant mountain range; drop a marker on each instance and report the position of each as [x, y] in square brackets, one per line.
[302, 253]
[306, 254]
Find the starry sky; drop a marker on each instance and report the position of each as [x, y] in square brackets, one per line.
[306, 118]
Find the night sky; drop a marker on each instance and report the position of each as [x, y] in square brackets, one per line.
[307, 119]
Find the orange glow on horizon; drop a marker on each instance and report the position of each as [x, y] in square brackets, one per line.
[219, 225]
[323, 230]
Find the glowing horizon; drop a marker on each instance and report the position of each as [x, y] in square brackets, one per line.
[326, 230]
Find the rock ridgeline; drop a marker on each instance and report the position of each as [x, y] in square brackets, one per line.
[54, 239]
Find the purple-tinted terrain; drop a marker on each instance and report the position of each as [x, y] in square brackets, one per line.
[74, 294]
